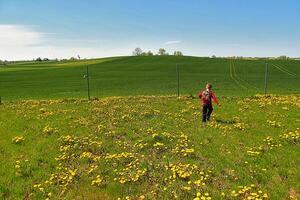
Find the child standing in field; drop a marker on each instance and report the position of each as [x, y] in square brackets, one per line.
[206, 95]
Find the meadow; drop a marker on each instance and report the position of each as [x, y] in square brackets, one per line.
[136, 140]
[150, 148]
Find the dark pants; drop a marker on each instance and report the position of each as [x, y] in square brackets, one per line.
[206, 112]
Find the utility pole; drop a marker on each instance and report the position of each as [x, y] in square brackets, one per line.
[177, 70]
[87, 77]
[266, 78]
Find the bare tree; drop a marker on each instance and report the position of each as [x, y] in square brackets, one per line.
[137, 51]
[162, 52]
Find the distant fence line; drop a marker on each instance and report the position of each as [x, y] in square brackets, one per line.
[178, 72]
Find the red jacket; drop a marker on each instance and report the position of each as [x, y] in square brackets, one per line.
[206, 96]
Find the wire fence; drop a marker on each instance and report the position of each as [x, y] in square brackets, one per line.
[233, 77]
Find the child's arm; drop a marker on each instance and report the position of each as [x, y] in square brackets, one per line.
[214, 98]
[200, 95]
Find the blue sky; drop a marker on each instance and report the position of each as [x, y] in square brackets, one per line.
[100, 28]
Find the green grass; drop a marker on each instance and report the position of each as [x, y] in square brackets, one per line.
[155, 75]
[134, 142]
[220, 150]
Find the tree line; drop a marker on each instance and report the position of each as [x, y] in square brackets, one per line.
[3, 62]
[161, 52]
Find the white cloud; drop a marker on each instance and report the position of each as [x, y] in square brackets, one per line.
[17, 35]
[19, 42]
[172, 42]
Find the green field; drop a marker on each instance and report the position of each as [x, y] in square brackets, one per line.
[137, 140]
[154, 75]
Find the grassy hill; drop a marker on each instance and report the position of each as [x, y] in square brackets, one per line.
[150, 148]
[156, 75]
